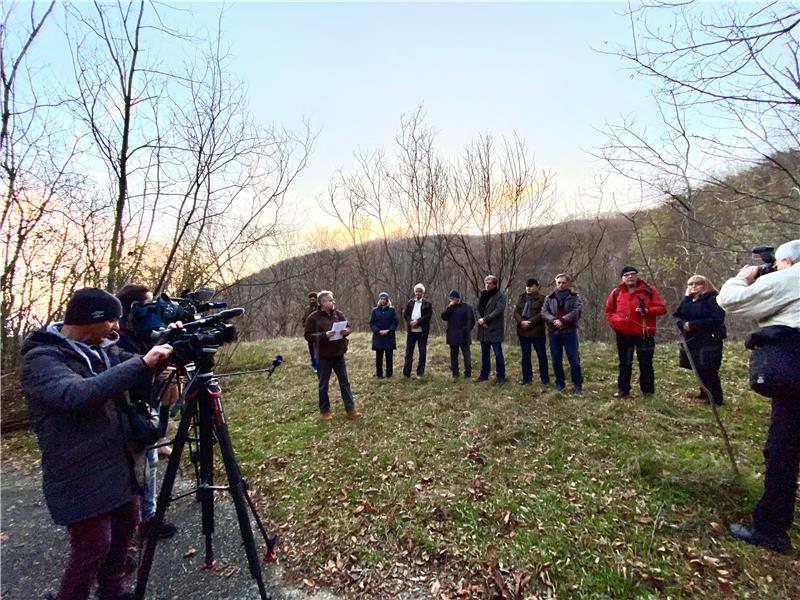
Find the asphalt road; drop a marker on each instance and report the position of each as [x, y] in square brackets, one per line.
[32, 551]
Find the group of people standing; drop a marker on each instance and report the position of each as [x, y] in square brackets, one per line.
[79, 383]
[770, 296]
[631, 310]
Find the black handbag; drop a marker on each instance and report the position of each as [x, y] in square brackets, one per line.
[144, 428]
[774, 362]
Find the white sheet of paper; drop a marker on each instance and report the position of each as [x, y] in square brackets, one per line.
[337, 330]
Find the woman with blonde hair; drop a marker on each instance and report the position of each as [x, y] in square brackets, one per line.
[701, 322]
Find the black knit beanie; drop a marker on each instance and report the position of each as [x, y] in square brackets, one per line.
[628, 269]
[92, 305]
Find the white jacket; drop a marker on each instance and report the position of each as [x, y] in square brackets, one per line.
[773, 299]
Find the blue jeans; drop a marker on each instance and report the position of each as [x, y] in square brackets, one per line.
[312, 353]
[412, 339]
[560, 342]
[149, 496]
[540, 345]
[486, 360]
[337, 365]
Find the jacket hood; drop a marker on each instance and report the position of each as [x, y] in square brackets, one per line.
[47, 336]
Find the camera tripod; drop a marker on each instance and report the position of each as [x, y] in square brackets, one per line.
[202, 424]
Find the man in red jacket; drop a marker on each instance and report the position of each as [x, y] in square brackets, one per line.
[631, 311]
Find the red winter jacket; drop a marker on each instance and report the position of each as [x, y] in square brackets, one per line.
[621, 309]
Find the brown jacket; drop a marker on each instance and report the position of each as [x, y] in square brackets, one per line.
[317, 324]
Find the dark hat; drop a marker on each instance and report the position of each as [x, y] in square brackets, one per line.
[454, 294]
[383, 295]
[532, 281]
[628, 269]
[92, 305]
[312, 295]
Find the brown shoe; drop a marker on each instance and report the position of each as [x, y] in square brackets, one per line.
[326, 416]
[353, 414]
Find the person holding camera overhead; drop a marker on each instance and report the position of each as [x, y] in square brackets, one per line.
[702, 324]
[631, 311]
[75, 389]
[770, 294]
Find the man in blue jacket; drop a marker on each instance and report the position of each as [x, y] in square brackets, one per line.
[75, 386]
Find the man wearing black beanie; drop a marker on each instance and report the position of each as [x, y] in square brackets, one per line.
[75, 389]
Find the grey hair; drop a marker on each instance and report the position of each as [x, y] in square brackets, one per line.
[790, 250]
[491, 278]
[419, 286]
[323, 295]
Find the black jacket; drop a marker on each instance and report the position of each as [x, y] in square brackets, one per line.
[460, 322]
[74, 403]
[425, 319]
[536, 328]
[707, 330]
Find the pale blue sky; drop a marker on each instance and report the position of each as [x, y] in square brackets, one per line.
[354, 69]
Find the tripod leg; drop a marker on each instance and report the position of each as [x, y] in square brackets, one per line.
[238, 491]
[163, 500]
[206, 451]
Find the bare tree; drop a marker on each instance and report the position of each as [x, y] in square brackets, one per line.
[37, 183]
[498, 199]
[225, 177]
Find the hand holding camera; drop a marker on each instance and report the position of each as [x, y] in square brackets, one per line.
[157, 355]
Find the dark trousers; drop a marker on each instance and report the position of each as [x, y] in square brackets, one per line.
[97, 550]
[337, 365]
[644, 347]
[710, 379]
[486, 360]
[379, 354]
[465, 351]
[420, 339]
[540, 345]
[163, 419]
[775, 511]
[312, 352]
[566, 342]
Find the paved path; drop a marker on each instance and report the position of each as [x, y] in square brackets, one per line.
[32, 551]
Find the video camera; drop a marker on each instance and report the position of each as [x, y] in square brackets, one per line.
[199, 338]
[767, 256]
[145, 317]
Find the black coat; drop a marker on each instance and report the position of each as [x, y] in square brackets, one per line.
[707, 330]
[460, 321]
[383, 317]
[424, 320]
[74, 404]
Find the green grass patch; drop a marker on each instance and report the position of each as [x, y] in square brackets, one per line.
[477, 489]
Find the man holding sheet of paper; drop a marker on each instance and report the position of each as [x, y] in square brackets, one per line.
[327, 330]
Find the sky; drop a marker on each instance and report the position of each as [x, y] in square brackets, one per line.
[545, 72]
[352, 70]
